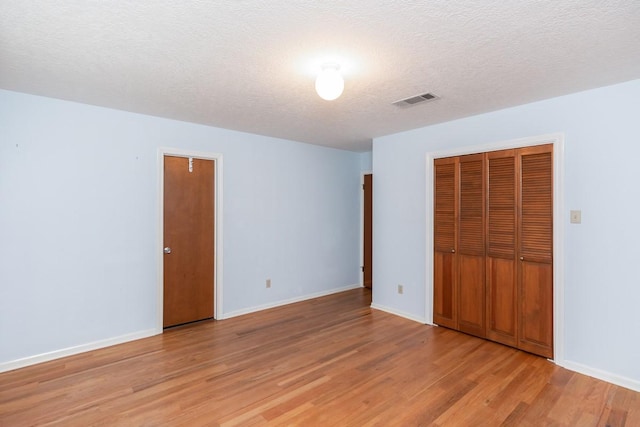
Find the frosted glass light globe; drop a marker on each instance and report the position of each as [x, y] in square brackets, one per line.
[329, 83]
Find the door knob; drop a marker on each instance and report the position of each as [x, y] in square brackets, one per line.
[167, 250]
[453, 251]
[521, 258]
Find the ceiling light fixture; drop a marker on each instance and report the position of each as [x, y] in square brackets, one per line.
[329, 83]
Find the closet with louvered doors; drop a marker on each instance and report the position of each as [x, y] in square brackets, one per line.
[493, 229]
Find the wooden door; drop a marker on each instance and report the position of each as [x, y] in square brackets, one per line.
[188, 240]
[536, 250]
[493, 246]
[501, 260]
[471, 245]
[367, 267]
[444, 223]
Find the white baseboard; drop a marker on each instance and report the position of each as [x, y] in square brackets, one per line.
[609, 377]
[399, 313]
[287, 301]
[70, 351]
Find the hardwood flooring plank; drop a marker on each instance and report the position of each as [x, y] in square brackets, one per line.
[330, 361]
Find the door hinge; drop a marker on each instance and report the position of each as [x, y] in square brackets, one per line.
[190, 164]
[362, 268]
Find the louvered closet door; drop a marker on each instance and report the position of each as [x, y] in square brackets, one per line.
[536, 250]
[444, 268]
[501, 261]
[471, 246]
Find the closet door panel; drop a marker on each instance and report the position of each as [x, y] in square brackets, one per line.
[471, 317]
[536, 250]
[502, 301]
[536, 312]
[502, 289]
[536, 217]
[444, 262]
[471, 245]
[444, 303]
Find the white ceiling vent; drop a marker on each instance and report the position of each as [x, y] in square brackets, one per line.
[413, 100]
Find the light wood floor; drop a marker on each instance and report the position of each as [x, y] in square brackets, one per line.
[331, 361]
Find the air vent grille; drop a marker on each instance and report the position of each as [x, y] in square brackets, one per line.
[413, 100]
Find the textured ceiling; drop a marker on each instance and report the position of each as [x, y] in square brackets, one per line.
[250, 64]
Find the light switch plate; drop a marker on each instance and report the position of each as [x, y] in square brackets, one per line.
[576, 217]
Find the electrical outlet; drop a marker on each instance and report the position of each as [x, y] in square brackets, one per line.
[400, 289]
[268, 283]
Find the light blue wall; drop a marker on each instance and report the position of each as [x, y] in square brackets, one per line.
[79, 220]
[366, 161]
[602, 148]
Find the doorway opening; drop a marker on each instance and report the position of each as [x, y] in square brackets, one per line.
[367, 231]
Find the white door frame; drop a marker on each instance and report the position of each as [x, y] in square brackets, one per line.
[557, 139]
[217, 289]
